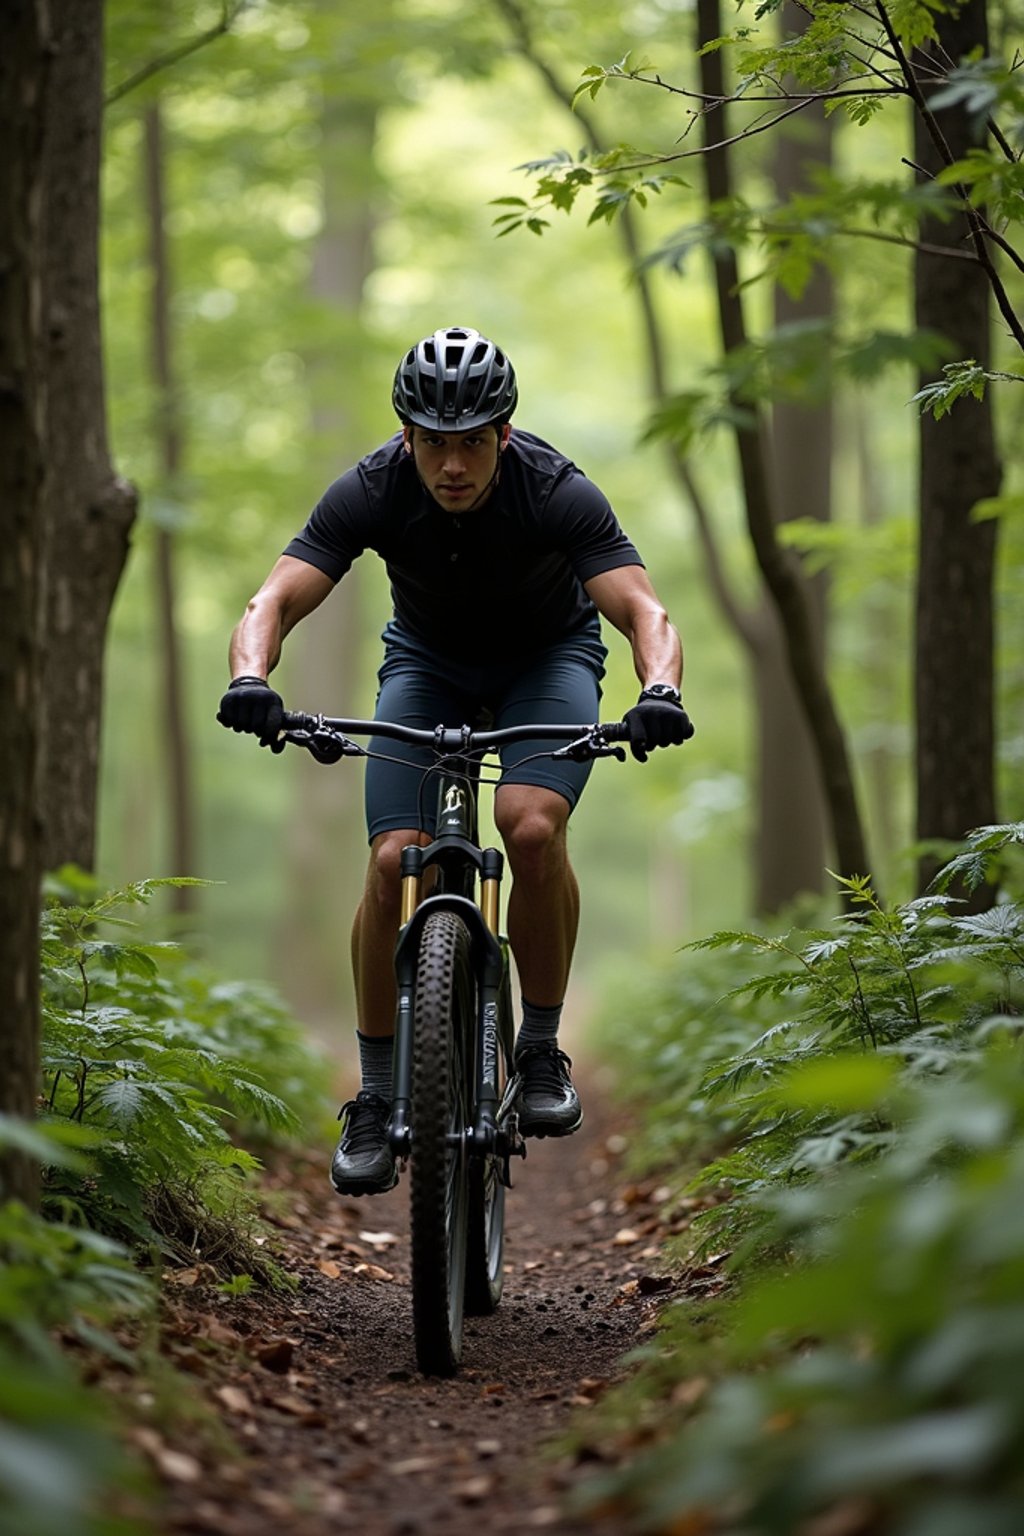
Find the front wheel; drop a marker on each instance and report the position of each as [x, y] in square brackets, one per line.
[442, 1019]
[485, 1251]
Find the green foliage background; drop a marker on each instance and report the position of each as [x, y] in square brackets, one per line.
[456, 110]
[856, 1087]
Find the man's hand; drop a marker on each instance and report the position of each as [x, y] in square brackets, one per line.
[250, 704]
[656, 721]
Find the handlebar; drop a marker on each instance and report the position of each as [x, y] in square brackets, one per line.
[329, 739]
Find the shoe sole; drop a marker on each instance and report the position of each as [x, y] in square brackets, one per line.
[541, 1131]
[365, 1187]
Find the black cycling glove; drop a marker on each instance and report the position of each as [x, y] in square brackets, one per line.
[657, 719]
[250, 704]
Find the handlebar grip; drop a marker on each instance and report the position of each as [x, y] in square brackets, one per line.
[615, 730]
[296, 721]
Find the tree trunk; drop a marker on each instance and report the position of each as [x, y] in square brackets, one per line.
[788, 853]
[779, 566]
[23, 66]
[88, 512]
[792, 813]
[954, 647]
[167, 430]
[327, 669]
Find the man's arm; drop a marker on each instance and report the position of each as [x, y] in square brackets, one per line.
[291, 591]
[627, 599]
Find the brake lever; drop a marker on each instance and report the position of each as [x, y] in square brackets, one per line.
[325, 745]
[586, 748]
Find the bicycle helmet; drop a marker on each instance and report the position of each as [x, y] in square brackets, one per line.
[453, 381]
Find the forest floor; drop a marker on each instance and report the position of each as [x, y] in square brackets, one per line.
[315, 1419]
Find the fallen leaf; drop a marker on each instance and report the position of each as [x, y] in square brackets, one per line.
[624, 1236]
[210, 1327]
[174, 1465]
[299, 1409]
[378, 1239]
[373, 1272]
[234, 1399]
[275, 1354]
[329, 1268]
[414, 1464]
[474, 1489]
[185, 1276]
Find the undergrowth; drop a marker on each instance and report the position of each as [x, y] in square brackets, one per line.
[864, 1368]
[160, 1084]
[172, 1070]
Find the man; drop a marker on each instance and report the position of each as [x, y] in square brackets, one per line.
[501, 555]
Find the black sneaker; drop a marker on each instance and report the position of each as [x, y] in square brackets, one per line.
[364, 1163]
[548, 1104]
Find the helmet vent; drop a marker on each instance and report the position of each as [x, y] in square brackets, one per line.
[454, 381]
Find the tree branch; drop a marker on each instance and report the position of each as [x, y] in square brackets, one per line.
[976, 224]
[229, 14]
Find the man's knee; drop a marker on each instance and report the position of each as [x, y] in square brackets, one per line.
[384, 875]
[532, 823]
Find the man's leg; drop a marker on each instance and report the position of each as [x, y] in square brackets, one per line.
[543, 916]
[363, 1163]
[374, 932]
[544, 903]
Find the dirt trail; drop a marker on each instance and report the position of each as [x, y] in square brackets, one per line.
[319, 1391]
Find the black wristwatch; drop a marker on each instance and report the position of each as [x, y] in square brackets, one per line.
[664, 691]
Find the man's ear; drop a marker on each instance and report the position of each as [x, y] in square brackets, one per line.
[506, 433]
[407, 439]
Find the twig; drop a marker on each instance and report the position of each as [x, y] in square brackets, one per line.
[175, 55]
[975, 223]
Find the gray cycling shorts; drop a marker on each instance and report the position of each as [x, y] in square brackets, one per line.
[421, 688]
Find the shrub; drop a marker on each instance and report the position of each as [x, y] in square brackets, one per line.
[865, 1367]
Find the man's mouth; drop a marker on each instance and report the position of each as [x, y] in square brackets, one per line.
[454, 490]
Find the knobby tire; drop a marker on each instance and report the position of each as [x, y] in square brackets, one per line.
[485, 1248]
[442, 1028]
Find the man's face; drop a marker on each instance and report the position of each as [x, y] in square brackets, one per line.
[457, 468]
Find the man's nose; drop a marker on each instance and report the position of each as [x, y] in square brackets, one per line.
[454, 464]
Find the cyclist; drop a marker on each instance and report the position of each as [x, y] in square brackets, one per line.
[501, 556]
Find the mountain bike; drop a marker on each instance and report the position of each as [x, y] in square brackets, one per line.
[453, 1118]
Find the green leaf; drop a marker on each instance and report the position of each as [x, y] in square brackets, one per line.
[845, 1082]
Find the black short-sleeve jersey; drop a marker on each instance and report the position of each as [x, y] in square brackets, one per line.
[494, 581]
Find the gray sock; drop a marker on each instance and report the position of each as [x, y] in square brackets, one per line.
[375, 1053]
[538, 1026]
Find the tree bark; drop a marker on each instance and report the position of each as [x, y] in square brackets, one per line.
[23, 71]
[954, 643]
[792, 816]
[167, 431]
[778, 565]
[88, 512]
[327, 669]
